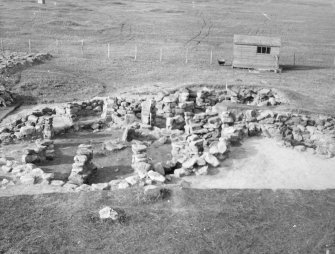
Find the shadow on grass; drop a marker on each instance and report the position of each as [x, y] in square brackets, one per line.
[287, 68]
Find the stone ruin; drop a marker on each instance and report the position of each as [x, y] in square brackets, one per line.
[30, 126]
[201, 125]
[6, 98]
[11, 62]
[82, 168]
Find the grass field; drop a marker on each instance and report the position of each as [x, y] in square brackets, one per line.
[306, 29]
[184, 221]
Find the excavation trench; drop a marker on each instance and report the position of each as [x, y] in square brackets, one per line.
[185, 135]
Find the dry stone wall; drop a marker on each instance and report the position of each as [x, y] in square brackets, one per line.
[6, 98]
[11, 62]
[83, 167]
[32, 125]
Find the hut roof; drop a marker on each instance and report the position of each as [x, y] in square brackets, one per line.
[257, 40]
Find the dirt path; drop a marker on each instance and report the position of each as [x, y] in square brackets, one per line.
[261, 163]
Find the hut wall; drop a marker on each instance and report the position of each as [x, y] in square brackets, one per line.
[246, 56]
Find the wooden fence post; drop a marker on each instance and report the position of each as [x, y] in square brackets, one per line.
[186, 57]
[29, 45]
[161, 55]
[211, 59]
[108, 50]
[2, 47]
[82, 47]
[57, 46]
[294, 59]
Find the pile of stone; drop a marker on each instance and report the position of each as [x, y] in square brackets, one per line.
[255, 96]
[315, 134]
[10, 62]
[201, 146]
[121, 110]
[26, 173]
[43, 150]
[145, 173]
[31, 125]
[6, 98]
[83, 167]
[206, 97]
[140, 159]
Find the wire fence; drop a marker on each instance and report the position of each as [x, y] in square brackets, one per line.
[155, 52]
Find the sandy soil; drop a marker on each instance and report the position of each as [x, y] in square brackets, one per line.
[260, 163]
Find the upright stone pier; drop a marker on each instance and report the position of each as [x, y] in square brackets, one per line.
[148, 113]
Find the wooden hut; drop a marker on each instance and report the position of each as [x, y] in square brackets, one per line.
[41, 1]
[256, 52]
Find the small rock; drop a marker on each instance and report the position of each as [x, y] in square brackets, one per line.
[202, 171]
[180, 172]
[156, 176]
[108, 213]
[189, 163]
[123, 185]
[158, 167]
[100, 186]
[211, 159]
[4, 182]
[300, 148]
[84, 187]
[184, 184]
[133, 180]
[6, 169]
[57, 183]
[70, 186]
[27, 179]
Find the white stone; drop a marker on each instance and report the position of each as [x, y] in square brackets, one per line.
[180, 172]
[123, 185]
[4, 181]
[108, 213]
[57, 183]
[202, 171]
[27, 179]
[100, 186]
[211, 159]
[133, 180]
[80, 158]
[27, 130]
[222, 146]
[6, 169]
[156, 176]
[189, 163]
[83, 187]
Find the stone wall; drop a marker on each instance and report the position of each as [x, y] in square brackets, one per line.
[42, 150]
[77, 110]
[31, 125]
[83, 167]
[11, 62]
[6, 98]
